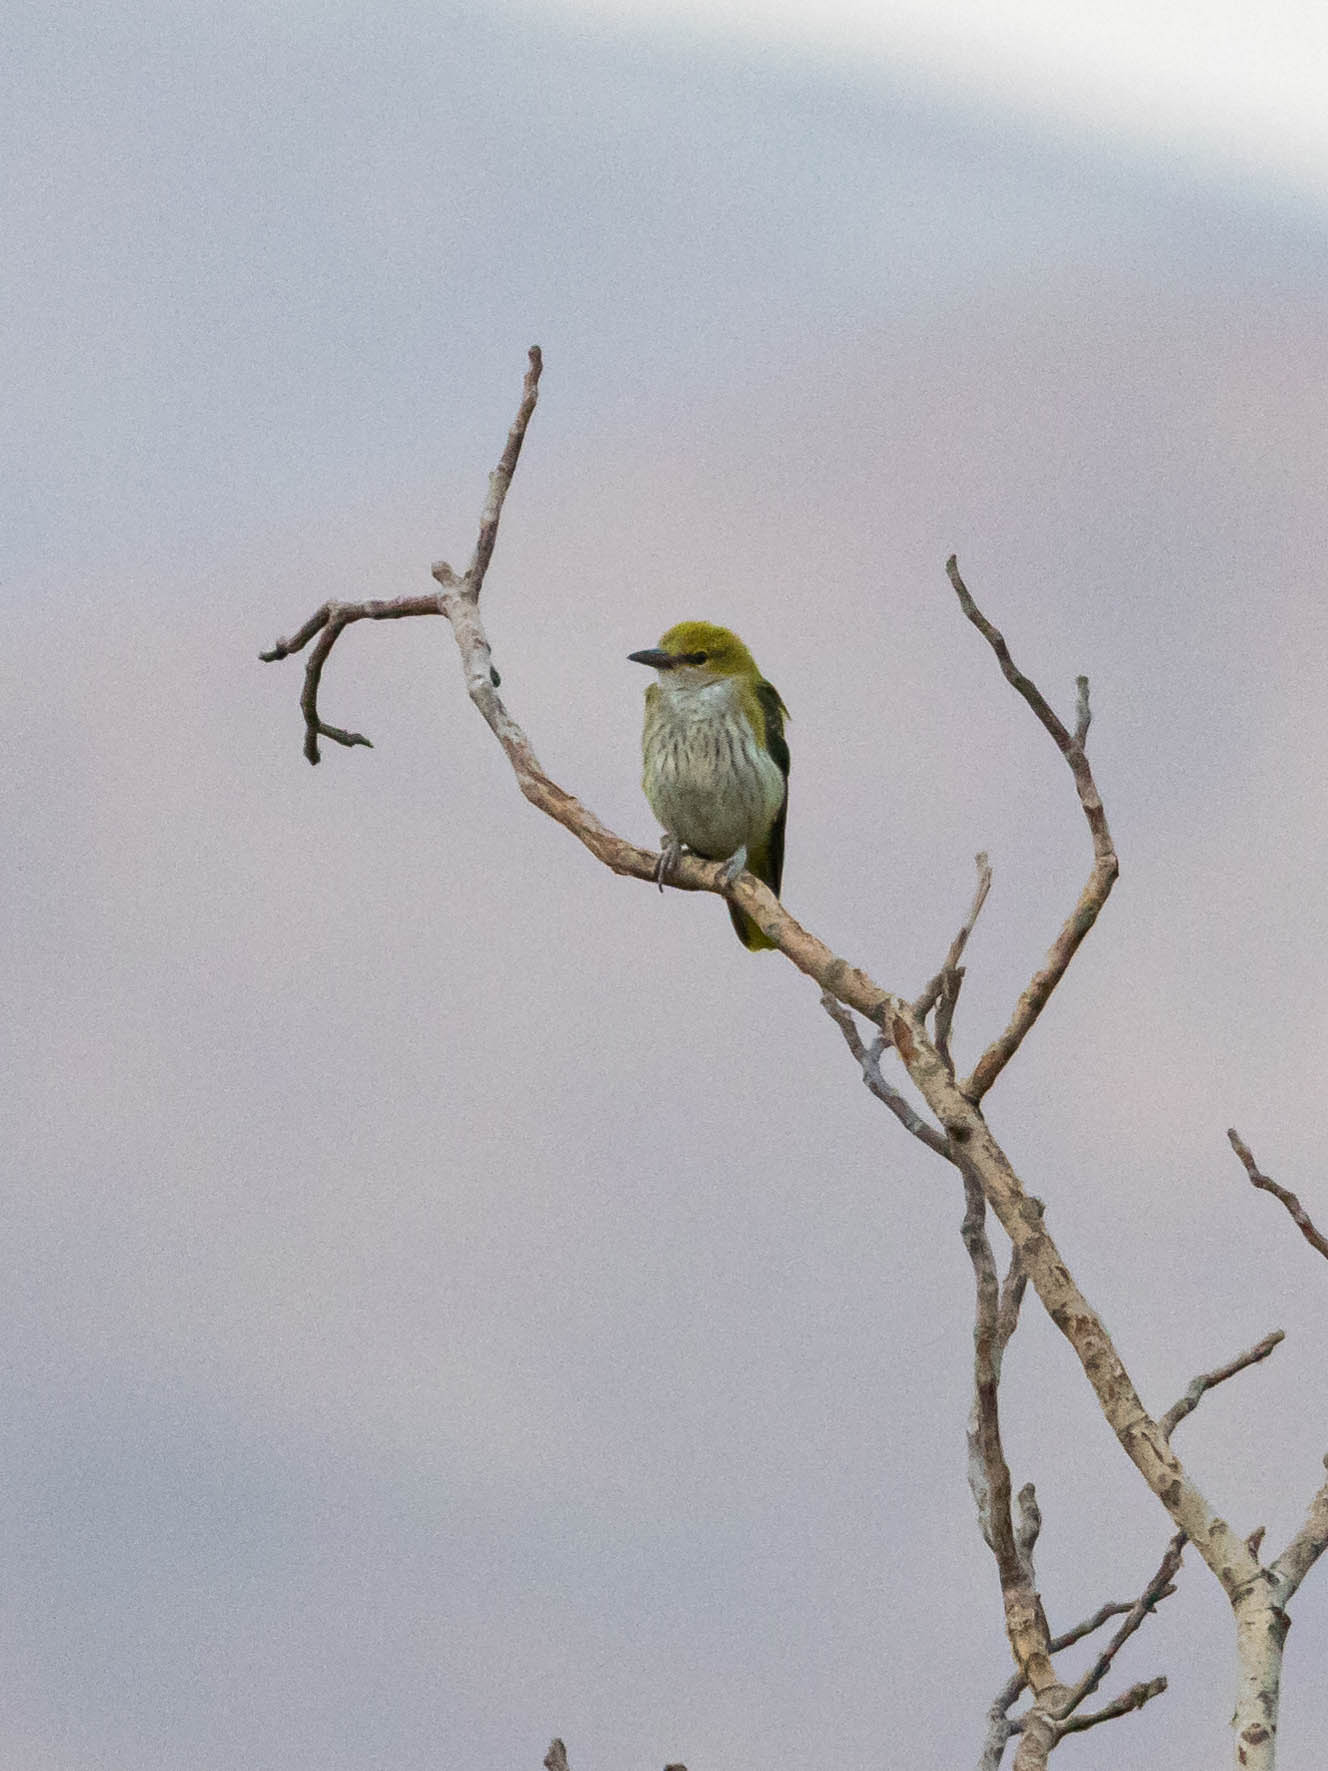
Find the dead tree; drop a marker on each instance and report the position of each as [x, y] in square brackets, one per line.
[915, 1033]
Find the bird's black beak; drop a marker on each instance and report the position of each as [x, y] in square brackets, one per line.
[656, 659]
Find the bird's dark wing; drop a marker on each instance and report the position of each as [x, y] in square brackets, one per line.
[774, 713]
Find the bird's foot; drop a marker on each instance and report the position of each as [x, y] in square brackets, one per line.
[733, 868]
[670, 853]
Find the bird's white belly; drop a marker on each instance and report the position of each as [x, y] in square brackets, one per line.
[711, 784]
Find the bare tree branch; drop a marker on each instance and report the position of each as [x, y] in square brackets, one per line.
[1105, 865]
[329, 622]
[499, 481]
[1133, 1699]
[1158, 1587]
[332, 619]
[869, 1062]
[1054, 1723]
[1139, 1434]
[1293, 1205]
[1305, 1548]
[999, 1725]
[931, 995]
[1210, 1379]
[556, 1757]
[1103, 1614]
[989, 1474]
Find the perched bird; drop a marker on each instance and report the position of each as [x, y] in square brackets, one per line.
[716, 764]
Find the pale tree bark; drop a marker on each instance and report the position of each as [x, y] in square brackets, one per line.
[1262, 1620]
[1257, 1591]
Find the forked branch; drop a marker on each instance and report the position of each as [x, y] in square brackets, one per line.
[1105, 865]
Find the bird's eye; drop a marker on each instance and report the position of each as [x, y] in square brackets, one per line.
[699, 657]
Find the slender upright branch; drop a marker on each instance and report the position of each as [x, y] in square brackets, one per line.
[1105, 865]
[1300, 1216]
[501, 477]
[931, 995]
[989, 1474]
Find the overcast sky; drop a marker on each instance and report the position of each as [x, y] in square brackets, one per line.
[454, 1296]
[1226, 81]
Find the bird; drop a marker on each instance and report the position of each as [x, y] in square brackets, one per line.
[716, 762]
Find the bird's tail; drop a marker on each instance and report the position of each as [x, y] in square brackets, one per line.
[767, 863]
[748, 933]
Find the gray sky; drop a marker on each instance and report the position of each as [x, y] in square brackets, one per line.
[454, 1296]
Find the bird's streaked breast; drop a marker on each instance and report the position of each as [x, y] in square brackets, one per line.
[709, 779]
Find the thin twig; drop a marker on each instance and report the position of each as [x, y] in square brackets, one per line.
[1293, 1205]
[1158, 1587]
[1133, 1699]
[1199, 1386]
[1016, 1683]
[869, 1062]
[931, 995]
[1103, 1614]
[332, 619]
[329, 622]
[1105, 865]
[1058, 1719]
[501, 477]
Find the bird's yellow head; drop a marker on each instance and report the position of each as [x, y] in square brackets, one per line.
[702, 648]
